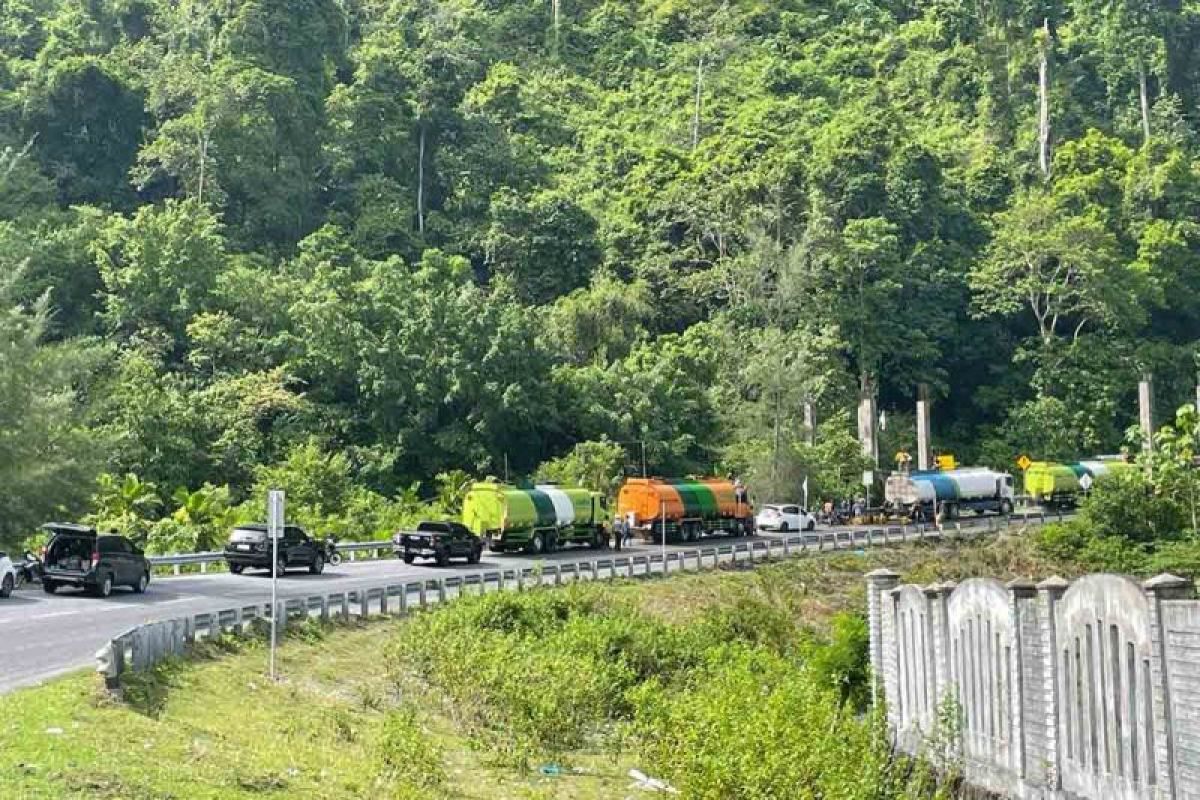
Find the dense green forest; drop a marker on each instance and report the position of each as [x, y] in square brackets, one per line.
[348, 246]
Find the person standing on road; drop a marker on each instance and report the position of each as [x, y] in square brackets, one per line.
[618, 531]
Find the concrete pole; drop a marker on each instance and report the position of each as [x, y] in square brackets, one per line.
[1146, 411]
[866, 428]
[924, 452]
[810, 420]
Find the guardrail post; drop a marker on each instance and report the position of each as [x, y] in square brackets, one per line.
[203, 567]
[441, 590]
[174, 569]
[353, 555]
[364, 603]
[383, 602]
[325, 608]
[279, 617]
[345, 604]
[423, 594]
[629, 567]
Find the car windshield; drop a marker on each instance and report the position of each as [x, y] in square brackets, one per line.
[433, 527]
[247, 535]
[770, 509]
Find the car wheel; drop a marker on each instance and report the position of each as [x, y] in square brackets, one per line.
[142, 583]
[236, 569]
[49, 587]
[317, 566]
[443, 558]
[6, 587]
[812, 525]
[104, 588]
[475, 555]
[408, 558]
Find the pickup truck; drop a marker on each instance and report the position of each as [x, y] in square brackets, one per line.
[440, 541]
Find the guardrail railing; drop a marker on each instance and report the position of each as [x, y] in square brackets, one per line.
[354, 551]
[143, 646]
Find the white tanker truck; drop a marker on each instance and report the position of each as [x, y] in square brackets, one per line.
[950, 492]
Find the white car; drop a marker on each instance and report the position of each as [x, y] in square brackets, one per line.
[8, 575]
[785, 518]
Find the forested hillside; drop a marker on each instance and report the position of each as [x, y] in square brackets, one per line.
[347, 246]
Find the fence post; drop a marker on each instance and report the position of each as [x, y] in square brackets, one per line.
[1050, 592]
[1159, 588]
[880, 622]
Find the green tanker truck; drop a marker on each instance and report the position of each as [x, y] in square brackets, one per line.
[535, 520]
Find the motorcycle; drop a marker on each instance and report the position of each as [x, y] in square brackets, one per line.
[29, 569]
[332, 556]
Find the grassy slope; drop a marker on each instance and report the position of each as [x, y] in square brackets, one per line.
[215, 728]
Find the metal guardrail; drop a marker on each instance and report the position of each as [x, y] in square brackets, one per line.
[355, 551]
[143, 646]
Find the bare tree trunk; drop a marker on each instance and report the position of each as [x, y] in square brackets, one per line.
[1044, 104]
[555, 8]
[696, 111]
[1145, 96]
[421, 182]
[203, 160]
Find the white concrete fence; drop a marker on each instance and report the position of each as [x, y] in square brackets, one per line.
[143, 646]
[1087, 690]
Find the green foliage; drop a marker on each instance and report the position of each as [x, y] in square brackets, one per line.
[598, 466]
[436, 236]
[408, 752]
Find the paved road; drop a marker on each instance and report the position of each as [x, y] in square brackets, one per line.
[45, 635]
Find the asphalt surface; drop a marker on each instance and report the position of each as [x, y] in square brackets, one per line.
[43, 635]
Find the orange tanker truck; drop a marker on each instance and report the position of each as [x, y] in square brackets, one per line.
[688, 508]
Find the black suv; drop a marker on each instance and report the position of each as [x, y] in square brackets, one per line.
[250, 546]
[440, 541]
[78, 556]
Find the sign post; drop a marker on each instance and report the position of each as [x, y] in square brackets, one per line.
[275, 531]
[664, 537]
[1085, 482]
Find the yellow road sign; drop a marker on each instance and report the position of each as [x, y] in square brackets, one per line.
[1024, 462]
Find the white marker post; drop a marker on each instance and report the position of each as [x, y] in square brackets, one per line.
[664, 537]
[274, 530]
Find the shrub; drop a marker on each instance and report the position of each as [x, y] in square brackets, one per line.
[753, 724]
[407, 752]
[843, 663]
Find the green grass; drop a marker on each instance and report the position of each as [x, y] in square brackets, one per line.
[214, 726]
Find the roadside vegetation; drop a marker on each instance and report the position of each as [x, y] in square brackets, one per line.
[1142, 521]
[726, 684]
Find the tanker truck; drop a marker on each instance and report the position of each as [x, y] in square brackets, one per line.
[537, 519]
[1056, 485]
[687, 508]
[949, 492]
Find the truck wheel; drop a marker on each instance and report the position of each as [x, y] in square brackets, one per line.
[442, 557]
[142, 582]
[236, 569]
[317, 566]
[104, 588]
[49, 586]
[536, 545]
[6, 587]
[408, 558]
[1006, 507]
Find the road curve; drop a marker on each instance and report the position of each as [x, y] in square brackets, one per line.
[43, 635]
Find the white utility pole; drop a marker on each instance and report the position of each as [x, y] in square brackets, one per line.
[664, 536]
[275, 531]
